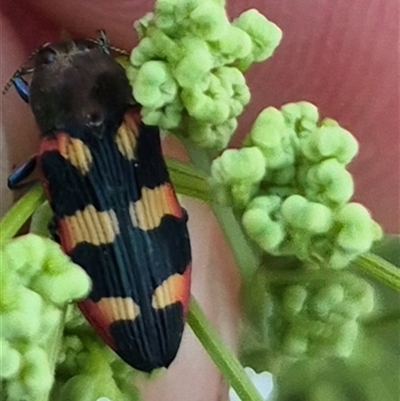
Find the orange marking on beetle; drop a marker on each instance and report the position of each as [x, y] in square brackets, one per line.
[175, 288]
[49, 145]
[154, 204]
[95, 317]
[114, 309]
[126, 138]
[88, 225]
[76, 152]
[72, 149]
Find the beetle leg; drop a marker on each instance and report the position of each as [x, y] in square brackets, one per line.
[22, 87]
[21, 173]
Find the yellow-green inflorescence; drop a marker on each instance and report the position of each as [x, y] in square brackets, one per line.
[318, 318]
[187, 71]
[37, 281]
[87, 369]
[291, 189]
[304, 314]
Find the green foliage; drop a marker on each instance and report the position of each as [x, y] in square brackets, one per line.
[187, 69]
[300, 313]
[290, 186]
[318, 318]
[38, 280]
[87, 369]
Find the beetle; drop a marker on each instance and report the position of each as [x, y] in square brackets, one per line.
[115, 211]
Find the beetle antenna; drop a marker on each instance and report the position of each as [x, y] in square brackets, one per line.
[19, 73]
[22, 70]
[104, 43]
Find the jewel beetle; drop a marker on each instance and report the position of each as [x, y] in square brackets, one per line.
[115, 211]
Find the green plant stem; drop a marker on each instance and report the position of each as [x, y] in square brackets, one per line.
[188, 180]
[223, 358]
[377, 322]
[20, 212]
[380, 269]
[246, 256]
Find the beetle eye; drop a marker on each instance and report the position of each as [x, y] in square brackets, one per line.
[47, 55]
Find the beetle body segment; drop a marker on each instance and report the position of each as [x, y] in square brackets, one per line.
[116, 213]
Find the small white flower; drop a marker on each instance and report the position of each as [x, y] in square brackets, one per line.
[103, 399]
[263, 382]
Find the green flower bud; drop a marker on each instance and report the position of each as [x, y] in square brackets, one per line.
[15, 323]
[305, 215]
[259, 225]
[10, 360]
[346, 336]
[211, 136]
[233, 83]
[270, 134]
[235, 44]
[146, 51]
[293, 299]
[211, 107]
[169, 116]
[237, 171]
[357, 229]
[197, 62]
[319, 318]
[265, 35]
[295, 342]
[329, 183]
[329, 142]
[301, 116]
[193, 42]
[154, 85]
[209, 21]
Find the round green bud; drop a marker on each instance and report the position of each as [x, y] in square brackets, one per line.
[294, 298]
[145, 51]
[301, 116]
[167, 117]
[211, 108]
[308, 216]
[346, 336]
[327, 298]
[11, 287]
[329, 142]
[247, 164]
[196, 63]
[237, 92]
[264, 34]
[329, 183]
[209, 21]
[79, 388]
[295, 342]
[15, 324]
[10, 360]
[71, 285]
[25, 255]
[36, 373]
[211, 136]
[260, 226]
[357, 229]
[234, 44]
[154, 85]
[270, 134]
